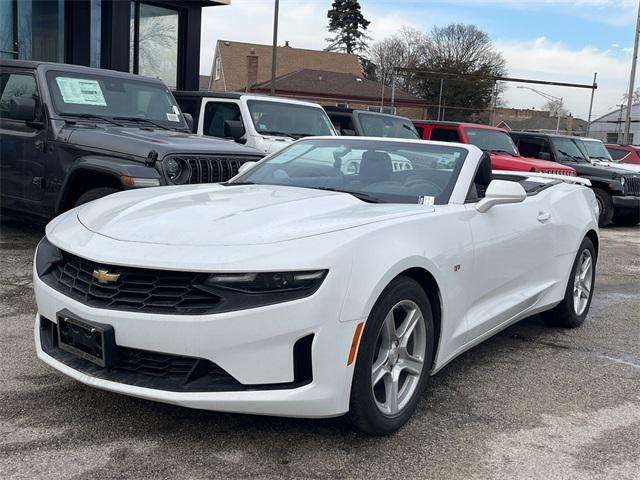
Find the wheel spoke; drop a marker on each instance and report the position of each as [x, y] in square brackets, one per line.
[379, 371]
[408, 326]
[391, 391]
[409, 363]
[388, 330]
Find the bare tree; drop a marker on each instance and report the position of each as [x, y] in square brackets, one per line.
[406, 49]
[555, 108]
[635, 99]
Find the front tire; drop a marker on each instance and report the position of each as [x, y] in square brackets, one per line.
[572, 311]
[394, 359]
[605, 204]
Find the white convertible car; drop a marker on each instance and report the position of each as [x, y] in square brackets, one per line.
[306, 287]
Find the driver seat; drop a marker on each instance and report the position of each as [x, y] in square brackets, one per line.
[375, 167]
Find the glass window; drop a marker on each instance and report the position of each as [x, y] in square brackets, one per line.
[113, 97]
[8, 48]
[41, 30]
[386, 126]
[215, 116]
[445, 135]
[491, 140]
[568, 150]
[288, 119]
[14, 85]
[154, 42]
[381, 171]
[617, 154]
[533, 147]
[218, 71]
[596, 150]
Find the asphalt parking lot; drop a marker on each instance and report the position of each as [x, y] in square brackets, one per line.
[532, 402]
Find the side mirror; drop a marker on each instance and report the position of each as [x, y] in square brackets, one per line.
[246, 166]
[233, 129]
[501, 192]
[189, 119]
[346, 132]
[22, 108]
[544, 156]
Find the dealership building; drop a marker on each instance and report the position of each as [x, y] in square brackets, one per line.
[159, 38]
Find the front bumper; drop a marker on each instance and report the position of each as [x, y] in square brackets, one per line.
[254, 346]
[627, 203]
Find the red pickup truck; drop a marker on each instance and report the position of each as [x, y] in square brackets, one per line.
[495, 141]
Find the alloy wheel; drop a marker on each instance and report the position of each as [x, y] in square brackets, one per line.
[583, 282]
[397, 367]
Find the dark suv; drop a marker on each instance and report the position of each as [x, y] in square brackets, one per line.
[617, 191]
[362, 123]
[71, 134]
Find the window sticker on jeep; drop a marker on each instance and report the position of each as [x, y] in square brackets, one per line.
[81, 91]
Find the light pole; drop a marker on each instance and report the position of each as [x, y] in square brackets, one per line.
[274, 52]
[632, 82]
[548, 96]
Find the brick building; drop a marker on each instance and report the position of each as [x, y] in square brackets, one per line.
[237, 65]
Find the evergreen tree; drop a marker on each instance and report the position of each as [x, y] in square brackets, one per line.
[348, 25]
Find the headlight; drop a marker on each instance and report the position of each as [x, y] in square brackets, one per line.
[623, 181]
[177, 170]
[47, 255]
[267, 282]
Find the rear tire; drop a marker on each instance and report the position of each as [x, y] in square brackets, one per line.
[94, 194]
[394, 359]
[606, 207]
[572, 311]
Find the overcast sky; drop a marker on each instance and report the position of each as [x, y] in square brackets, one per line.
[560, 40]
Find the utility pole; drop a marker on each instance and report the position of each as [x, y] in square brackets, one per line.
[632, 82]
[274, 52]
[593, 92]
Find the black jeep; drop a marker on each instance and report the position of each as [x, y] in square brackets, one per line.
[71, 134]
[617, 191]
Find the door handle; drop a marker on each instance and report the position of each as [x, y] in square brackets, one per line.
[543, 216]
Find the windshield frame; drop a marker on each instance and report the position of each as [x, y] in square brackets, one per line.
[295, 135]
[357, 143]
[514, 152]
[146, 121]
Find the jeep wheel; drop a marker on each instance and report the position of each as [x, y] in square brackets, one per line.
[606, 207]
[94, 194]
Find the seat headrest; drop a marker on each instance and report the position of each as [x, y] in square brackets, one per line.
[484, 174]
[375, 167]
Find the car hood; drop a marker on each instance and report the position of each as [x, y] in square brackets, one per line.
[526, 164]
[630, 167]
[599, 170]
[231, 215]
[138, 142]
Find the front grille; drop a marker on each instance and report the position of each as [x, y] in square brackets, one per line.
[559, 172]
[135, 290]
[632, 185]
[177, 373]
[213, 169]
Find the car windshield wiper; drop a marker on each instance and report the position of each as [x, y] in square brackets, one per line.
[91, 116]
[233, 184]
[365, 197]
[140, 119]
[275, 133]
[577, 158]
[411, 130]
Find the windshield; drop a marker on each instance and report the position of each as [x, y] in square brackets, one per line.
[568, 150]
[81, 94]
[374, 171]
[596, 150]
[491, 140]
[288, 119]
[386, 126]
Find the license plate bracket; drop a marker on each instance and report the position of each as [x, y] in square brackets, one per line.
[92, 341]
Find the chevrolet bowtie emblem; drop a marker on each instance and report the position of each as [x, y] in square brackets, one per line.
[103, 276]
